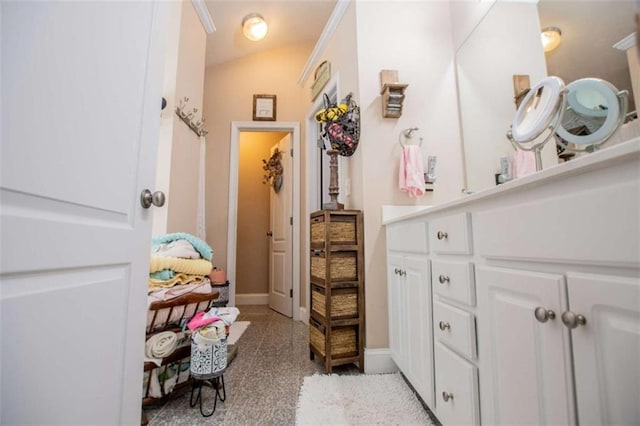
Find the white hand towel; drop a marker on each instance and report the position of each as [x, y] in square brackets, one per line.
[411, 176]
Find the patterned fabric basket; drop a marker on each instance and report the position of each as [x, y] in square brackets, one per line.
[208, 357]
[223, 290]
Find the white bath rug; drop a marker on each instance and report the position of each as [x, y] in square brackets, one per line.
[236, 330]
[376, 399]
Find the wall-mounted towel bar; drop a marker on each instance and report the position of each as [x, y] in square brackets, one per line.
[197, 126]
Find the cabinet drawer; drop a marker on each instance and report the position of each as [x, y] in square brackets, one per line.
[408, 237]
[451, 234]
[456, 389]
[454, 280]
[455, 328]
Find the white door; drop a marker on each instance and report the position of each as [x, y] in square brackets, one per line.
[280, 249]
[527, 363]
[81, 92]
[418, 325]
[606, 349]
[396, 291]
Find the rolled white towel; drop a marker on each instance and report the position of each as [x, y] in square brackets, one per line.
[161, 344]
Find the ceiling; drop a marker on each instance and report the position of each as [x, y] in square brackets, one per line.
[589, 30]
[290, 22]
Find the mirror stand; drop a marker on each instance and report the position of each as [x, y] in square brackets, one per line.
[623, 103]
[537, 147]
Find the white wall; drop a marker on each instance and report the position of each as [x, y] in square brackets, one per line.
[178, 146]
[413, 37]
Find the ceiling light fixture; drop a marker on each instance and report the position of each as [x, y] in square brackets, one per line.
[254, 27]
[551, 37]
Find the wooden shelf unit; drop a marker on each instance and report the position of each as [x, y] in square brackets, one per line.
[337, 321]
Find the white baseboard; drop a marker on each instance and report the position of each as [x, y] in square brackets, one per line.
[303, 315]
[378, 361]
[252, 299]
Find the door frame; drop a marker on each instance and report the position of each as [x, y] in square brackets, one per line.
[232, 222]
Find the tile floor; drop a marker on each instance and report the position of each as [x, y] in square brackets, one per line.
[262, 382]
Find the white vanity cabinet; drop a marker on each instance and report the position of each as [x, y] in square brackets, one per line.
[536, 297]
[409, 295]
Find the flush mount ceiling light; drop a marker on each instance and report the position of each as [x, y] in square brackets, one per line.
[551, 37]
[254, 27]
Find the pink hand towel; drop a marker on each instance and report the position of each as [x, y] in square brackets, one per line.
[524, 163]
[411, 176]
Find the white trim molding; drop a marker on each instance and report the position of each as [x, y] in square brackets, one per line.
[626, 43]
[335, 18]
[378, 361]
[303, 315]
[252, 299]
[205, 17]
[232, 223]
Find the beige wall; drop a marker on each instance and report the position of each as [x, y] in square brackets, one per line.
[425, 62]
[229, 90]
[178, 149]
[252, 259]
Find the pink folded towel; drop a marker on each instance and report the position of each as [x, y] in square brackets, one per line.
[201, 319]
[524, 163]
[411, 176]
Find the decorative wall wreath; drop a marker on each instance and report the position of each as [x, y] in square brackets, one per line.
[273, 169]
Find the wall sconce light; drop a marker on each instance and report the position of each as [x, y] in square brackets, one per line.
[551, 37]
[254, 27]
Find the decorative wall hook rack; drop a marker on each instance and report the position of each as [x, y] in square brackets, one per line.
[190, 118]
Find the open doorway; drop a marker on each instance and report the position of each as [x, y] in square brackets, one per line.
[250, 218]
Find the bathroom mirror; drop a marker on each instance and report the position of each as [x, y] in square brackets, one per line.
[506, 42]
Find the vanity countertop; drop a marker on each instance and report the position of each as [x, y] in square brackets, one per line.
[607, 157]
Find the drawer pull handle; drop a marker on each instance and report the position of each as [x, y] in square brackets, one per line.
[402, 272]
[396, 271]
[444, 326]
[572, 320]
[442, 235]
[447, 396]
[543, 315]
[443, 279]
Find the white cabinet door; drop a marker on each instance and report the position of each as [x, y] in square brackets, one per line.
[397, 313]
[528, 363]
[606, 348]
[418, 326]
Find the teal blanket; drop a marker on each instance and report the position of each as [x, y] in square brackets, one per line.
[200, 246]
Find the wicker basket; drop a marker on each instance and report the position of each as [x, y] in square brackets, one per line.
[344, 267]
[339, 232]
[344, 302]
[344, 341]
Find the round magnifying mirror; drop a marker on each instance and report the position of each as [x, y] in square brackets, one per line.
[595, 111]
[541, 110]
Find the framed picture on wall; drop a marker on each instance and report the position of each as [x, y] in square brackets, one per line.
[264, 107]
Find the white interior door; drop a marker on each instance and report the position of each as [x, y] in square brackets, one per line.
[280, 250]
[81, 91]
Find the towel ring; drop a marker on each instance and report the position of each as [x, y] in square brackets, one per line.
[408, 134]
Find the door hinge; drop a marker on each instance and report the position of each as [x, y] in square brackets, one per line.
[291, 220]
[291, 152]
[291, 292]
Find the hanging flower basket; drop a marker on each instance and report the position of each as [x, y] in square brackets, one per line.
[341, 124]
[273, 169]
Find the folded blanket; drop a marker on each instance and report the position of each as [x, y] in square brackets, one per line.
[164, 275]
[187, 266]
[177, 248]
[164, 294]
[177, 280]
[161, 344]
[201, 247]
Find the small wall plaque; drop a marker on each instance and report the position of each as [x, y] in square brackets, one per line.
[321, 78]
[264, 107]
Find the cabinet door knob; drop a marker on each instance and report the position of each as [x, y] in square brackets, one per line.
[443, 279]
[543, 315]
[447, 396]
[442, 235]
[403, 272]
[572, 320]
[444, 326]
[396, 271]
